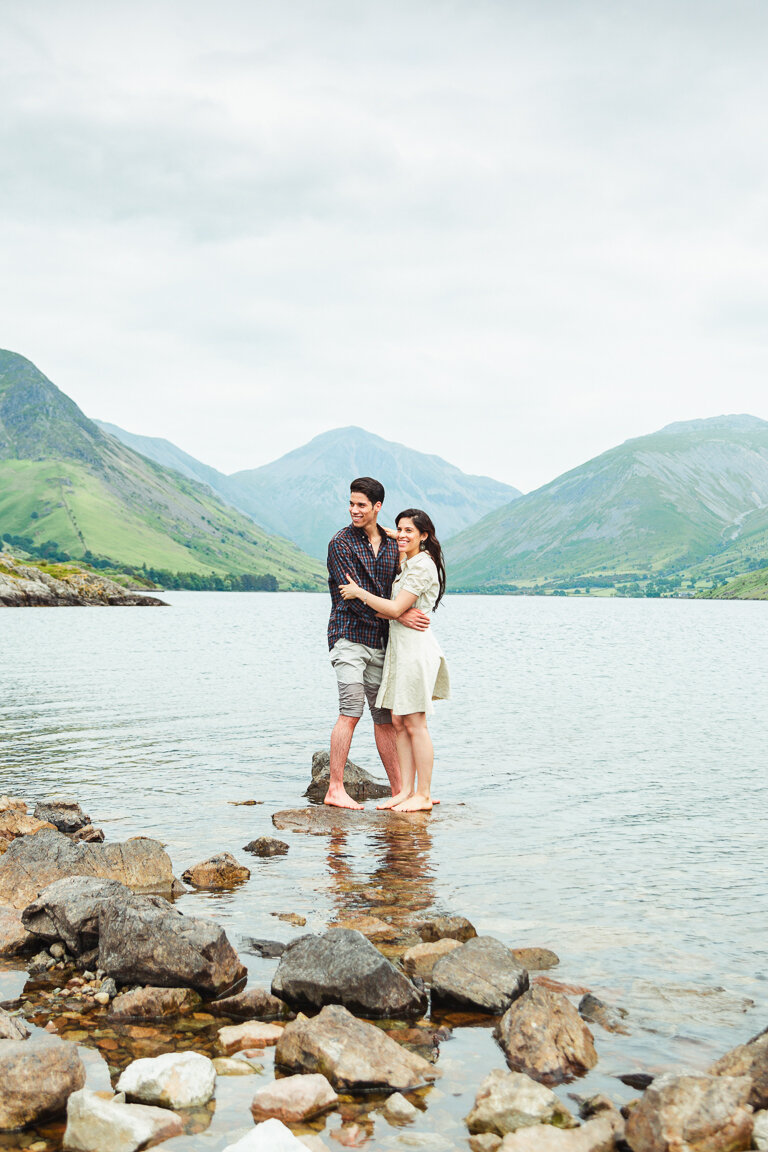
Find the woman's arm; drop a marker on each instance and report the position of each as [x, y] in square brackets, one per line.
[391, 609]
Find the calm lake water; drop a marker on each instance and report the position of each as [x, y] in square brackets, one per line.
[602, 767]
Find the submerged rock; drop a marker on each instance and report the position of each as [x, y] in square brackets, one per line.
[420, 960]
[294, 1098]
[593, 1009]
[351, 1053]
[542, 1034]
[174, 1080]
[536, 959]
[342, 967]
[360, 785]
[481, 975]
[253, 1003]
[252, 1034]
[706, 1113]
[749, 1060]
[507, 1101]
[95, 1124]
[68, 910]
[145, 940]
[269, 949]
[153, 1003]
[37, 1078]
[219, 871]
[446, 928]
[267, 846]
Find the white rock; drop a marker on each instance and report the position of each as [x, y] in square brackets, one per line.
[398, 1108]
[94, 1124]
[226, 1067]
[175, 1080]
[271, 1136]
[760, 1131]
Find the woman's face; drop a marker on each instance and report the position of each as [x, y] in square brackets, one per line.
[408, 537]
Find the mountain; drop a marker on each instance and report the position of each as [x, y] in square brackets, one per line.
[165, 453]
[751, 586]
[692, 496]
[64, 480]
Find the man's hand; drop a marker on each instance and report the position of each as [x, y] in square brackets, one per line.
[415, 619]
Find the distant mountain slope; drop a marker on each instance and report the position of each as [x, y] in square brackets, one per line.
[62, 478]
[752, 586]
[690, 493]
[167, 454]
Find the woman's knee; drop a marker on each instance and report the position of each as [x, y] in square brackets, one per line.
[415, 722]
[398, 723]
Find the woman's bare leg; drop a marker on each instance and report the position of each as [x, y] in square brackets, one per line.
[422, 759]
[407, 770]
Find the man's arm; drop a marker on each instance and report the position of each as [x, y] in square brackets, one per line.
[340, 561]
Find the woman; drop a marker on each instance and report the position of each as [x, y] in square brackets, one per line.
[415, 671]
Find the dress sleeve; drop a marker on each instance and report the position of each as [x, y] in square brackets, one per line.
[419, 576]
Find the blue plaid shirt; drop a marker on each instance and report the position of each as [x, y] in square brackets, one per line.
[350, 552]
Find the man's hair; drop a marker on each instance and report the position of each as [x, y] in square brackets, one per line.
[369, 487]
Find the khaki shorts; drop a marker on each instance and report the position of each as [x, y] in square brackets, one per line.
[358, 671]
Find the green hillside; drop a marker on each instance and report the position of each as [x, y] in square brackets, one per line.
[751, 586]
[63, 479]
[689, 498]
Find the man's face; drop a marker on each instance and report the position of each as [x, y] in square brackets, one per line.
[361, 510]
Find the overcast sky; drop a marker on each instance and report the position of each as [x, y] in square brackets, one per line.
[510, 232]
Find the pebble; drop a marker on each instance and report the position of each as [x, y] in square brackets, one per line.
[102, 998]
[398, 1108]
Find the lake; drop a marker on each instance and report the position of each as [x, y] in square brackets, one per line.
[601, 766]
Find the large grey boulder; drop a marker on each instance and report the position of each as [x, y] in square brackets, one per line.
[352, 1054]
[749, 1060]
[705, 1113]
[145, 940]
[543, 1035]
[95, 1124]
[33, 862]
[63, 812]
[68, 910]
[481, 975]
[36, 1080]
[507, 1101]
[342, 967]
[359, 784]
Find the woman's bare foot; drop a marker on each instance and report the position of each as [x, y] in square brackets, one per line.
[340, 799]
[416, 803]
[398, 799]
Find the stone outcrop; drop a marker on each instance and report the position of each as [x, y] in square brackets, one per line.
[266, 846]
[749, 1060]
[144, 940]
[360, 785]
[174, 1080]
[445, 928]
[543, 1035]
[342, 967]
[700, 1112]
[219, 871]
[294, 1098]
[251, 1004]
[352, 1054]
[152, 1003]
[37, 1079]
[64, 813]
[68, 910]
[95, 1124]
[15, 823]
[507, 1101]
[23, 586]
[33, 862]
[481, 975]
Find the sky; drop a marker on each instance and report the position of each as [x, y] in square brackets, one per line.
[513, 233]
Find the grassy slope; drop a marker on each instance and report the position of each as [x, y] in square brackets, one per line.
[752, 586]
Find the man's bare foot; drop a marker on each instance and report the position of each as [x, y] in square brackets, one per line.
[415, 803]
[340, 799]
[397, 799]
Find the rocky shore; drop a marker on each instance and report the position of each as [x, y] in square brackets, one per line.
[137, 1020]
[26, 586]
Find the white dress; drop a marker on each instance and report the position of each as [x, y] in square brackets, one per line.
[415, 672]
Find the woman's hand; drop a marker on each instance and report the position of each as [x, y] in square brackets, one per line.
[351, 590]
[391, 532]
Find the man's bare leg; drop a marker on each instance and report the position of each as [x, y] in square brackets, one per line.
[341, 741]
[423, 756]
[405, 761]
[386, 744]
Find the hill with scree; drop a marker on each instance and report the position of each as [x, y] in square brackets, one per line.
[65, 482]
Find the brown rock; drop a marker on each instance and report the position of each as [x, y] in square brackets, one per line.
[37, 1078]
[153, 1003]
[445, 928]
[294, 1098]
[252, 1034]
[420, 960]
[593, 1009]
[484, 1142]
[294, 918]
[220, 871]
[8, 802]
[351, 1053]
[748, 1060]
[90, 835]
[15, 822]
[507, 1101]
[266, 846]
[560, 986]
[370, 926]
[15, 940]
[542, 1034]
[595, 1136]
[536, 959]
[699, 1113]
[253, 1004]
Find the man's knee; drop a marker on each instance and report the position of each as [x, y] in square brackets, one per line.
[351, 701]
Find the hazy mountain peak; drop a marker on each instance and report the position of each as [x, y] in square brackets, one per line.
[734, 423]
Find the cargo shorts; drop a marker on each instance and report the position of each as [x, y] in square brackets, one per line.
[358, 671]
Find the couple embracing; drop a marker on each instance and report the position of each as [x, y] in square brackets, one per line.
[383, 582]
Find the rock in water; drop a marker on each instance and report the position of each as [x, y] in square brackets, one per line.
[252, 1034]
[37, 1078]
[507, 1101]
[12, 1027]
[399, 1109]
[342, 967]
[536, 959]
[446, 928]
[481, 975]
[420, 960]
[68, 910]
[352, 1054]
[705, 1113]
[748, 1060]
[95, 1124]
[593, 1009]
[267, 846]
[174, 1080]
[359, 784]
[63, 812]
[271, 1136]
[294, 1098]
[33, 862]
[252, 1004]
[144, 940]
[599, 1135]
[220, 871]
[152, 1003]
[542, 1034]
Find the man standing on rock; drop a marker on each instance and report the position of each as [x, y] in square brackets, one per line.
[357, 638]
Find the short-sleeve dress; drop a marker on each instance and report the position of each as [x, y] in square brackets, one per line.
[415, 672]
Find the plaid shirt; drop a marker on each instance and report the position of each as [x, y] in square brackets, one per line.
[350, 552]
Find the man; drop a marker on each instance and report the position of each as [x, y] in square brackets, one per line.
[356, 638]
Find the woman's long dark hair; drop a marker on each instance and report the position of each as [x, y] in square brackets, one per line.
[431, 544]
